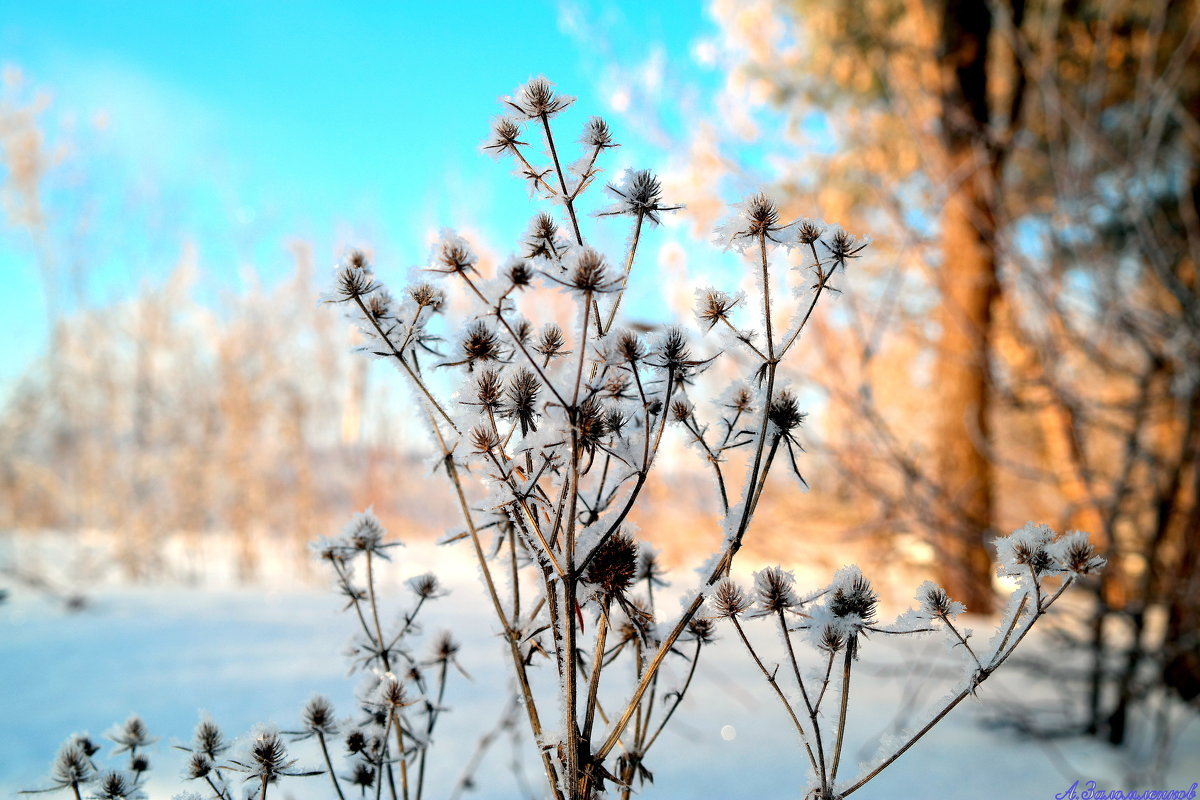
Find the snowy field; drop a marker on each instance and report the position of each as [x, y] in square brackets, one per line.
[249, 655]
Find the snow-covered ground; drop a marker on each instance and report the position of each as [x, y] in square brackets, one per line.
[250, 655]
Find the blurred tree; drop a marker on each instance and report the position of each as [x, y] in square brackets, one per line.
[1034, 167]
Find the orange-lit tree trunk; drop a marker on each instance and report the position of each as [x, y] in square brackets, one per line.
[968, 286]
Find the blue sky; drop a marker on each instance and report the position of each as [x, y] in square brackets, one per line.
[238, 125]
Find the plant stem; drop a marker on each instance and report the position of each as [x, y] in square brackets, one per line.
[329, 764]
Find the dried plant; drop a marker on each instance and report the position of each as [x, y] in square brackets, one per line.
[547, 446]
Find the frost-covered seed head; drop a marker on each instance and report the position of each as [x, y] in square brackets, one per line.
[617, 387]
[365, 533]
[590, 274]
[72, 765]
[208, 739]
[1079, 556]
[363, 776]
[356, 741]
[426, 295]
[702, 629]
[453, 256]
[425, 586]
[1033, 556]
[354, 277]
[785, 413]
[551, 343]
[615, 421]
[681, 411]
[537, 99]
[728, 600]
[390, 692]
[773, 588]
[597, 134]
[115, 785]
[139, 763]
[198, 766]
[519, 274]
[714, 307]
[506, 135]
[318, 716]
[445, 647]
[521, 396]
[268, 755]
[543, 237]
[762, 215]
[481, 343]
[589, 423]
[857, 599]
[808, 232]
[742, 401]
[483, 439]
[86, 744]
[937, 602]
[673, 352]
[132, 735]
[379, 305]
[843, 246]
[630, 347]
[614, 566]
[831, 639]
[489, 389]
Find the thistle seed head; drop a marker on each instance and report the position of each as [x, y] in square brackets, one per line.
[614, 566]
[551, 343]
[318, 717]
[596, 134]
[506, 136]
[521, 396]
[537, 99]
[714, 306]
[773, 589]
[785, 413]
[72, 765]
[481, 343]
[116, 785]
[198, 766]
[728, 600]
[855, 598]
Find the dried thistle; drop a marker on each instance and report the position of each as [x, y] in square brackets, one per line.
[506, 136]
[537, 99]
[773, 589]
[551, 343]
[714, 307]
[521, 396]
[614, 565]
[728, 600]
[597, 134]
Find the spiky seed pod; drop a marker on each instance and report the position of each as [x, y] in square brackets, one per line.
[589, 423]
[742, 401]
[614, 565]
[617, 387]
[773, 588]
[857, 599]
[390, 692]
[590, 274]
[354, 278]
[1032, 555]
[522, 329]
[519, 274]
[139, 764]
[318, 717]
[808, 232]
[489, 389]
[673, 352]
[649, 569]
[506, 135]
[714, 307]
[453, 256]
[762, 215]
[551, 343]
[728, 600]
[132, 735]
[702, 629]
[379, 305]
[365, 533]
[72, 766]
[843, 246]
[832, 639]
[425, 586]
[785, 413]
[681, 411]
[597, 134]
[483, 439]
[426, 295]
[356, 741]
[537, 99]
[615, 422]
[115, 785]
[630, 348]
[936, 602]
[269, 756]
[198, 766]
[363, 776]
[1080, 557]
[521, 396]
[209, 740]
[445, 647]
[481, 343]
[543, 238]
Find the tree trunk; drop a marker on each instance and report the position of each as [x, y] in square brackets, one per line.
[968, 286]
